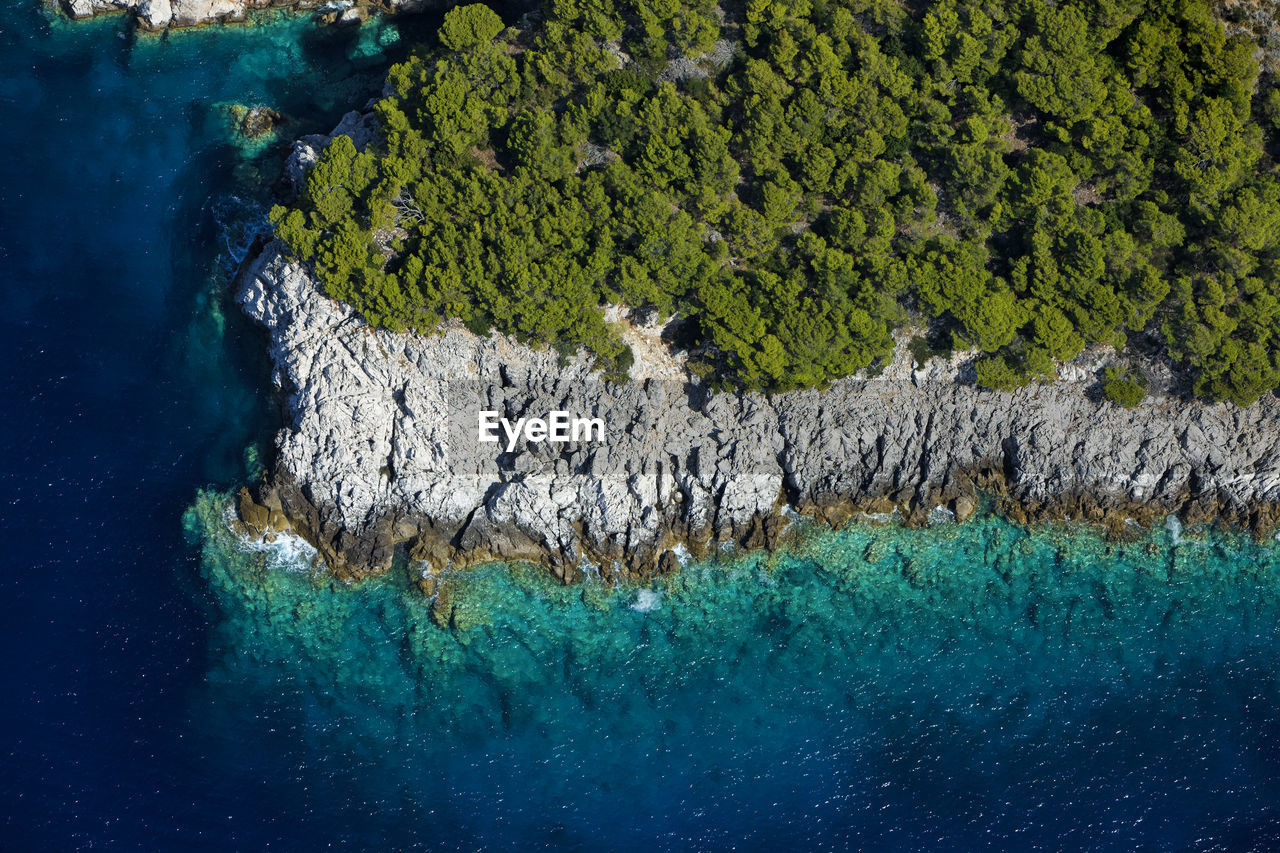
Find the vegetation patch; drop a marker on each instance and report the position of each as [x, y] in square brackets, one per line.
[798, 178]
[1124, 387]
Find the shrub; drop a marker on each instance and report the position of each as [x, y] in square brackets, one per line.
[1124, 387]
[995, 373]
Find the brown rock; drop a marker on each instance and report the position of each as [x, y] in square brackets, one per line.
[256, 518]
[256, 121]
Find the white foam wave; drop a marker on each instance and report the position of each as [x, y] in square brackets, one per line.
[284, 551]
[880, 517]
[941, 515]
[287, 551]
[647, 601]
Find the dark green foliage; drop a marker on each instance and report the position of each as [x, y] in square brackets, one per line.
[997, 374]
[1027, 177]
[469, 25]
[1123, 387]
[620, 368]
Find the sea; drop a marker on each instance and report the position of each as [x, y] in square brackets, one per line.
[167, 685]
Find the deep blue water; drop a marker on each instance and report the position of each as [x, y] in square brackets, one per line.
[164, 687]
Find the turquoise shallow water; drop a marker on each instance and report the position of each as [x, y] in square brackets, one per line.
[965, 687]
[959, 688]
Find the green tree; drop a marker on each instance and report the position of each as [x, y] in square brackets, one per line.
[1123, 387]
[464, 26]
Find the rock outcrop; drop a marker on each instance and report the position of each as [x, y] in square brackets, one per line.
[381, 449]
[254, 122]
[156, 15]
[1257, 20]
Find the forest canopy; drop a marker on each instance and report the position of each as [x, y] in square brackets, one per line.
[799, 177]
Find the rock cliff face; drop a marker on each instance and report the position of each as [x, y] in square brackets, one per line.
[382, 450]
[158, 15]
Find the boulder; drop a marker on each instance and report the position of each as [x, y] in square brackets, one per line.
[155, 14]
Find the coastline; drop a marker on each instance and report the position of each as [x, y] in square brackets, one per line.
[159, 16]
[380, 451]
[684, 467]
[955, 686]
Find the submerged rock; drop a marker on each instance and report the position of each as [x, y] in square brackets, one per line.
[254, 123]
[259, 121]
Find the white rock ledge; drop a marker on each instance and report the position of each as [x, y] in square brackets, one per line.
[381, 448]
[157, 15]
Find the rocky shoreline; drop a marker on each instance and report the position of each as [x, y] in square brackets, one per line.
[160, 15]
[381, 452]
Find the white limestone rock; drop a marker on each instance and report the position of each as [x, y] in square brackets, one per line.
[155, 14]
[191, 13]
